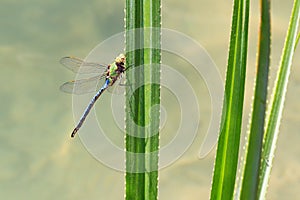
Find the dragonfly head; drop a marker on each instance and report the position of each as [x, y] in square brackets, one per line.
[120, 58]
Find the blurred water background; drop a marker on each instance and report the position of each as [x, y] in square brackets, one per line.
[38, 158]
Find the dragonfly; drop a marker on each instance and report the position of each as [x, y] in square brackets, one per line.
[111, 73]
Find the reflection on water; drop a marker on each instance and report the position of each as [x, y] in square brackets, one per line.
[40, 161]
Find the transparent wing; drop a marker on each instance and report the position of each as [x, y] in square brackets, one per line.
[79, 66]
[82, 86]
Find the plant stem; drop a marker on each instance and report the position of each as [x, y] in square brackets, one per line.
[142, 98]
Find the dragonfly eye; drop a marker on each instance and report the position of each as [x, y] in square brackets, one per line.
[120, 58]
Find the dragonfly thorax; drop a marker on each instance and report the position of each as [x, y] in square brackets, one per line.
[115, 69]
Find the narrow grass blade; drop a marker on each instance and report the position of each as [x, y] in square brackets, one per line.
[252, 162]
[228, 144]
[277, 100]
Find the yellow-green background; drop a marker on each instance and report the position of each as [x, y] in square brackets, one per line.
[38, 158]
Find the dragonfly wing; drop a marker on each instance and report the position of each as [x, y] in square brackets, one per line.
[79, 66]
[82, 86]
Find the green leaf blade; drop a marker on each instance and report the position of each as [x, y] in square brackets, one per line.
[277, 100]
[228, 144]
[142, 98]
[253, 153]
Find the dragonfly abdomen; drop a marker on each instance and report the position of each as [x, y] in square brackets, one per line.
[89, 107]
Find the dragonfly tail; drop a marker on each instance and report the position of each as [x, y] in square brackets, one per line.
[88, 109]
[74, 132]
